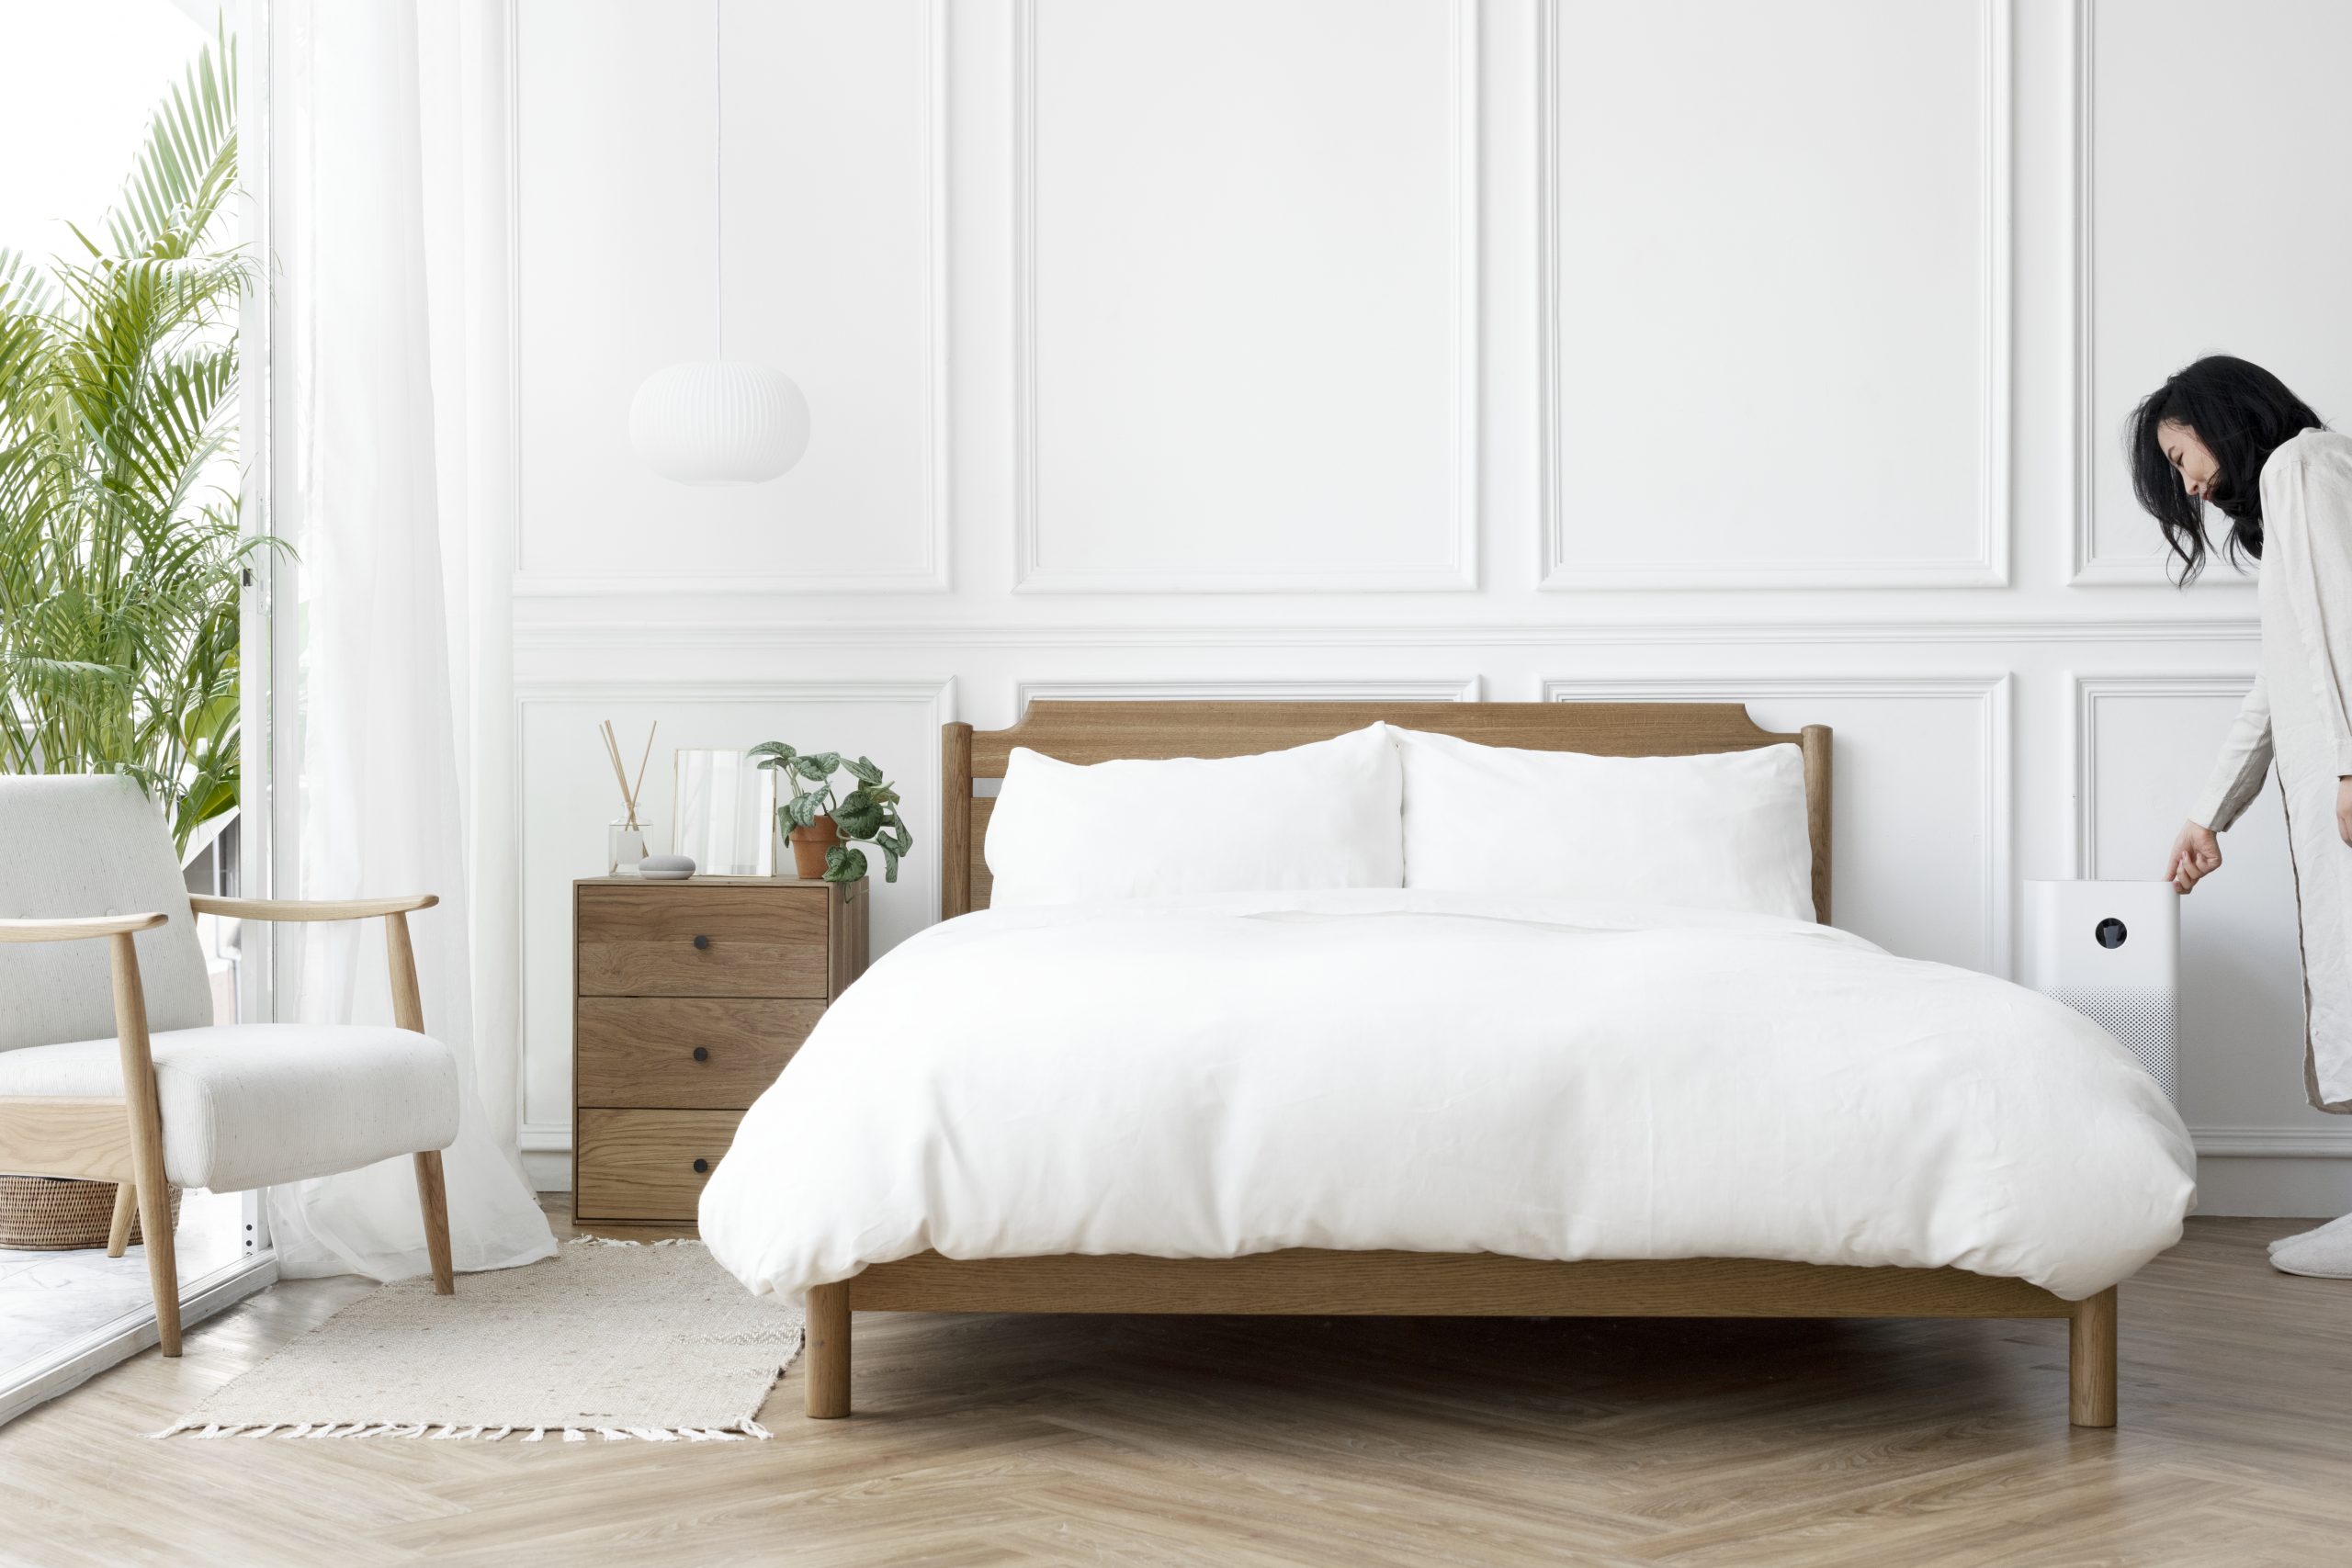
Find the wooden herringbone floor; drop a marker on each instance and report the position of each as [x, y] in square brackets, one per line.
[1360, 1443]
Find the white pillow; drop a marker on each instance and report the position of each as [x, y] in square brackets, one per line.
[1323, 815]
[1724, 830]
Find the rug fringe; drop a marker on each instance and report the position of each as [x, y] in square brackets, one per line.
[615, 1241]
[744, 1429]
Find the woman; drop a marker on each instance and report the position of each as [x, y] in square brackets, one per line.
[2229, 434]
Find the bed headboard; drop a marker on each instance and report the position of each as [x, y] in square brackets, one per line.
[973, 761]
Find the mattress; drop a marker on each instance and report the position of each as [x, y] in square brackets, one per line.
[1218, 1075]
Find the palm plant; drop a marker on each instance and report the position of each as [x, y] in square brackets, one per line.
[120, 556]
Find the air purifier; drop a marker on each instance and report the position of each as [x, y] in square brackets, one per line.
[2112, 952]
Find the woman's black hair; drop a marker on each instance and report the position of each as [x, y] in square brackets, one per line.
[2242, 413]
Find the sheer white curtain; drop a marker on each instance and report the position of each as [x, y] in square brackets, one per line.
[390, 222]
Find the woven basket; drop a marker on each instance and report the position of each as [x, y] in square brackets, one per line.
[46, 1214]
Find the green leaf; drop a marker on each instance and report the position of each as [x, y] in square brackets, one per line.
[858, 818]
[215, 717]
[864, 771]
[889, 863]
[817, 765]
[773, 753]
[803, 809]
[120, 554]
[844, 863]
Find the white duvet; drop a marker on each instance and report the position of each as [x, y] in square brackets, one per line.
[1211, 1075]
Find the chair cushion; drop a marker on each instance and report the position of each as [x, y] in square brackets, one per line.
[250, 1105]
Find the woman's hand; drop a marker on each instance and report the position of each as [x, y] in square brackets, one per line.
[2197, 853]
[2344, 809]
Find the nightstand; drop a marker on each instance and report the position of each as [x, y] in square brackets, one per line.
[688, 998]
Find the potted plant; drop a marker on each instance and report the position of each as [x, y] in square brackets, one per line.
[822, 827]
[121, 559]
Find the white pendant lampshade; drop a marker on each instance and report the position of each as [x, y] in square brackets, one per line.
[719, 422]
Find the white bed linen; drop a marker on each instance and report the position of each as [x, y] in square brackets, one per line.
[1328, 814]
[1215, 1075]
[1718, 830]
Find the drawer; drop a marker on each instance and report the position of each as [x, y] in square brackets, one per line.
[639, 1165]
[689, 940]
[640, 1051]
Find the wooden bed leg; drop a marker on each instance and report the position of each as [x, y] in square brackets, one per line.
[828, 1332]
[2090, 1361]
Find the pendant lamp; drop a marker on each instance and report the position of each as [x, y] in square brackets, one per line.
[719, 421]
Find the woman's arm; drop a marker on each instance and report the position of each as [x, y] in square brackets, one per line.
[2236, 779]
[2243, 765]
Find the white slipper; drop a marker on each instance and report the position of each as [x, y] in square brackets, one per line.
[2323, 1254]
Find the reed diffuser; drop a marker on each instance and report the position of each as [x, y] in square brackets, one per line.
[624, 841]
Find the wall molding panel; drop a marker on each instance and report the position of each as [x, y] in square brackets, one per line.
[1988, 566]
[1034, 573]
[2087, 566]
[932, 575]
[2089, 691]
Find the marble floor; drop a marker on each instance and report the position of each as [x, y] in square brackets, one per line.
[49, 1300]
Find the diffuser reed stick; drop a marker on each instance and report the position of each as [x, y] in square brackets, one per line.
[630, 793]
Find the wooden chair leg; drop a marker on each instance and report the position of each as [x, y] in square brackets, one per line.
[407, 1013]
[126, 1204]
[828, 1334]
[146, 1143]
[162, 1256]
[2090, 1361]
[433, 1198]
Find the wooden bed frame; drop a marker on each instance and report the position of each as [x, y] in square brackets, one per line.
[1328, 1283]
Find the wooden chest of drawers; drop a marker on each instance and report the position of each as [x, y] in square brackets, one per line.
[688, 998]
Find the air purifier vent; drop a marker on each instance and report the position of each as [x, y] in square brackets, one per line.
[2143, 1025]
[2112, 952]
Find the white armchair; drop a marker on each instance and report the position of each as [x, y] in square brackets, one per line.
[111, 1068]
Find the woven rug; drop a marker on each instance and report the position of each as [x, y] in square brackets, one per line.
[607, 1339]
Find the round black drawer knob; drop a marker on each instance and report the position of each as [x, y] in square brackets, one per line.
[702, 1053]
[702, 942]
[701, 1165]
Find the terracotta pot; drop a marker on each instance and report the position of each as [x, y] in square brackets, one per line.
[809, 844]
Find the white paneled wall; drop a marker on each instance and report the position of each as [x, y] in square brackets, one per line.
[2210, 223]
[835, 168]
[1245, 295]
[1759, 220]
[1447, 350]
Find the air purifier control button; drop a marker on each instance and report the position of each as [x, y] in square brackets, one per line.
[2111, 932]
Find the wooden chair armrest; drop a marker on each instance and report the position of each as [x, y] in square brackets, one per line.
[309, 909]
[78, 927]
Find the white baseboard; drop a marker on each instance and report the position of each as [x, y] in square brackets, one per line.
[549, 1169]
[2272, 1186]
